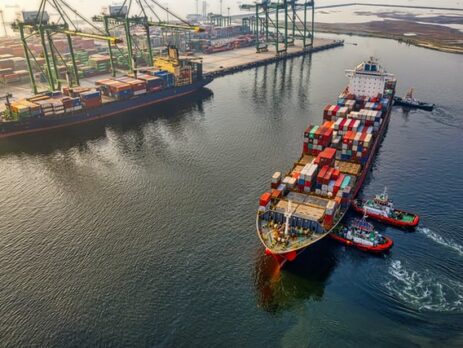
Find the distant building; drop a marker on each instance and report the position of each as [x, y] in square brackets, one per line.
[194, 17]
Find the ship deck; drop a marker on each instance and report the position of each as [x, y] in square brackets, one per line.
[270, 237]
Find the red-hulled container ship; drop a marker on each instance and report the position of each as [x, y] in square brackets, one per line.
[307, 203]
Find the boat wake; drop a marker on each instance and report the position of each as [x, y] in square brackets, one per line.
[445, 117]
[423, 291]
[446, 242]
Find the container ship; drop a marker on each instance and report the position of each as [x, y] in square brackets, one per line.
[307, 203]
[171, 77]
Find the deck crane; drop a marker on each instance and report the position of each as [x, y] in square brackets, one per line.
[120, 16]
[38, 23]
[262, 23]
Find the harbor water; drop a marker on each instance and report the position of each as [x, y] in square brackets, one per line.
[140, 231]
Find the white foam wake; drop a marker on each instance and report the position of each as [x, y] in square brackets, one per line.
[424, 291]
[447, 242]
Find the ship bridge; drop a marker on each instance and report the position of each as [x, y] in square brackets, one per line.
[368, 79]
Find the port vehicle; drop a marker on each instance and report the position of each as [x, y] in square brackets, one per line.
[170, 78]
[381, 208]
[308, 202]
[362, 235]
[410, 102]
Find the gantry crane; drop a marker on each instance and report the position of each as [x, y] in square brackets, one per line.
[262, 23]
[2, 21]
[120, 16]
[38, 23]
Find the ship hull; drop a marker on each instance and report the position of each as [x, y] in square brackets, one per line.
[107, 110]
[282, 258]
[424, 106]
[388, 220]
[378, 249]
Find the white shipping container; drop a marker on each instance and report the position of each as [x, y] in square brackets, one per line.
[292, 182]
[141, 91]
[276, 177]
[313, 168]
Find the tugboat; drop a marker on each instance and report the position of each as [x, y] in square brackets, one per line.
[362, 235]
[410, 102]
[381, 208]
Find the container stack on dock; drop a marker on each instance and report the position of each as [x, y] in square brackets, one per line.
[101, 63]
[13, 65]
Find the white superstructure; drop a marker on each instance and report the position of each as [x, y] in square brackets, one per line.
[368, 79]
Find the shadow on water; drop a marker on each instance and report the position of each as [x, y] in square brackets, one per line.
[77, 136]
[302, 279]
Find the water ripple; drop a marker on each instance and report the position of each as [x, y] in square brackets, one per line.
[424, 291]
[446, 242]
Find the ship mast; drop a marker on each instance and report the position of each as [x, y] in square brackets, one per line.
[288, 215]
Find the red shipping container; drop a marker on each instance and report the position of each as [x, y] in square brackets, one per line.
[335, 174]
[276, 194]
[321, 174]
[318, 133]
[328, 135]
[343, 122]
[265, 199]
[328, 175]
[296, 175]
[308, 183]
[362, 137]
[328, 153]
[91, 103]
[305, 147]
[326, 110]
[350, 124]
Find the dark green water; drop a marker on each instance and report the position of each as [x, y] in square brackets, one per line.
[141, 232]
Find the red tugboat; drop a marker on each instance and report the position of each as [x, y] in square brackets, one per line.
[362, 235]
[381, 208]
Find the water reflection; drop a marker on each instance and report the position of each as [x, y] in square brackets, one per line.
[172, 112]
[300, 280]
[281, 85]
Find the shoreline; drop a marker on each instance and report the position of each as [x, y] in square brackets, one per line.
[433, 44]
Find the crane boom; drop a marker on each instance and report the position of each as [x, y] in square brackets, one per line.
[111, 39]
